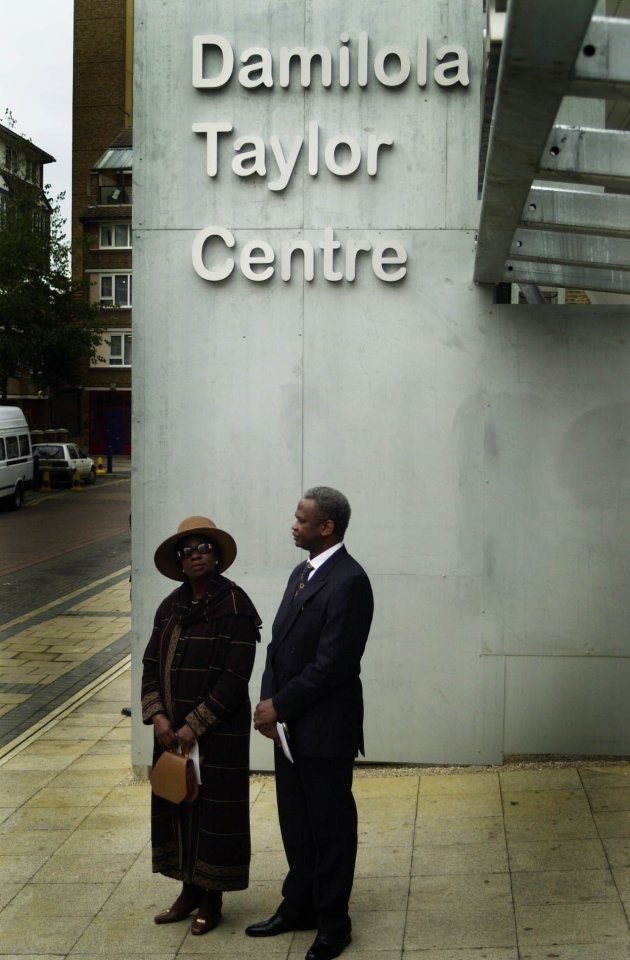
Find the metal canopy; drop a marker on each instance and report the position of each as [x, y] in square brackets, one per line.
[120, 158]
[531, 232]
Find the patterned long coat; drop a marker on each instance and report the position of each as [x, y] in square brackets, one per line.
[197, 666]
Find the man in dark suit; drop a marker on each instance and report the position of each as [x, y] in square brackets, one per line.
[311, 687]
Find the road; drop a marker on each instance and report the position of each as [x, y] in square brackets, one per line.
[64, 596]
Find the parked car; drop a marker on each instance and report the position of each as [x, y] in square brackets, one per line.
[61, 460]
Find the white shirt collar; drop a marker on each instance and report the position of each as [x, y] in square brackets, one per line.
[317, 561]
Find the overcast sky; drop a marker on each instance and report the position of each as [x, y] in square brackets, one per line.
[36, 81]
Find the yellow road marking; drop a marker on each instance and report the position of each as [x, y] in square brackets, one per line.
[64, 493]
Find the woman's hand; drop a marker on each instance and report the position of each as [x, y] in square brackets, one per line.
[186, 737]
[164, 733]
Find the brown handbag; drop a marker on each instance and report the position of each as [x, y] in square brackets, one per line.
[173, 778]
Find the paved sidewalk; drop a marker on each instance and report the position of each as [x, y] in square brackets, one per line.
[52, 652]
[492, 865]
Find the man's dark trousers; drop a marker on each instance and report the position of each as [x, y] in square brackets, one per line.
[318, 820]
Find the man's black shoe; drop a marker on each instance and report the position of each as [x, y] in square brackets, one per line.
[277, 924]
[327, 948]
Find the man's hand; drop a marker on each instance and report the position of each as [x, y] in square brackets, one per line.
[264, 715]
[269, 730]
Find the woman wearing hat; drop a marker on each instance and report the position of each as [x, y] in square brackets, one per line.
[195, 690]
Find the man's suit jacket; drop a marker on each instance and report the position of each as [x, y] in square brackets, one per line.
[314, 658]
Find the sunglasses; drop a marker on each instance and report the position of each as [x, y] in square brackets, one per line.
[184, 553]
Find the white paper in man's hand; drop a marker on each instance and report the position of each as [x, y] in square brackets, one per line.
[284, 741]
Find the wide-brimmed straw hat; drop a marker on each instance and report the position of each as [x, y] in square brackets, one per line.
[166, 559]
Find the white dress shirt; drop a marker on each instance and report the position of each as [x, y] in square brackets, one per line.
[317, 561]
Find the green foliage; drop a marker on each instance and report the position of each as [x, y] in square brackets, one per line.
[8, 119]
[48, 328]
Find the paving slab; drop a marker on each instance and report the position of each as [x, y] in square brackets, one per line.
[488, 888]
[459, 807]
[576, 923]
[484, 953]
[563, 803]
[609, 799]
[461, 785]
[468, 830]
[600, 777]
[613, 824]
[470, 925]
[463, 858]
[562, 778]
[564, 886]
[557, 855]
[617, 850]
[545, 826]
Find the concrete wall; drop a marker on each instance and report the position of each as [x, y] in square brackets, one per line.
[484, 449]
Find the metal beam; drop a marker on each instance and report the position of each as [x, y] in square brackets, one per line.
[542, 42]
[561, 275]
[531, 293]
[571, 248]
[574, 211]
[586, 155]
[492, 42]
[602, 68]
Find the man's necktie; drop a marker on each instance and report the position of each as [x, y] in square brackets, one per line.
[306, 569]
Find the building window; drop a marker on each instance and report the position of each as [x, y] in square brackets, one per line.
[115, 188]
[11, 160]
[120, 349]
[40, 222]
[116, 289]
[115, 349]
[115, 235]
[32, 171]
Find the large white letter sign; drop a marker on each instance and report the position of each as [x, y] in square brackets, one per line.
[247, 162]
[306, 59]
[257, 258]
[352, 164]
[395, 51]
[250, 258]
[380, 260]
[258, 72]
[454, 70]
[212, 131]
[199, 44]
[220, 273]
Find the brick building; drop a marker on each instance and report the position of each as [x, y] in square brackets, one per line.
[101, 210]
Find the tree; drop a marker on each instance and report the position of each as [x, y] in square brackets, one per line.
[48, 328]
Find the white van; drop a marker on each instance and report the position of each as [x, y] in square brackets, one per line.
[16, 456]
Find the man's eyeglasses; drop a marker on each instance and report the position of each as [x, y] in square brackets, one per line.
[184, 553]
